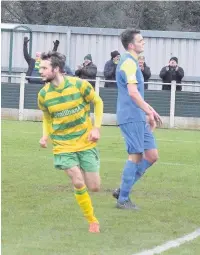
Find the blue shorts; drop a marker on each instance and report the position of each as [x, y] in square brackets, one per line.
[138, 137]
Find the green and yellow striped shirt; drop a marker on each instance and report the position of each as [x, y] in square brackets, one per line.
[68, 106]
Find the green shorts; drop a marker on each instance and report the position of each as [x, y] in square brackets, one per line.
[87, 160]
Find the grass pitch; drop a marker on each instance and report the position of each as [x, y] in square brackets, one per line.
[40, 215]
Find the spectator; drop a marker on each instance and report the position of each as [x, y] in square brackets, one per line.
[172, 72]
[68, 71]
[110, 69]
[145, 70]
[33, 64]
[88, 70]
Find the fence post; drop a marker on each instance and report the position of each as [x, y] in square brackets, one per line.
[21, 96]
[68, 46]
[97, 85]
[10, 56]
[172, 104]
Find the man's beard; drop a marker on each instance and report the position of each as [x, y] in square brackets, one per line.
[50, 79]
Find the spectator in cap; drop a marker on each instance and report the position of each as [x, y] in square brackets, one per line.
[172, 72]
[110, 69]
[145, 70]
[87, 70]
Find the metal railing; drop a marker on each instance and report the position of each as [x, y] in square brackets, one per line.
[98, 82]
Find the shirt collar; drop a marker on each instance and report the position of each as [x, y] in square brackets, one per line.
[133, 54]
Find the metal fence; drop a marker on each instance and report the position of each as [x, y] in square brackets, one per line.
[178, 108]
[153, 83]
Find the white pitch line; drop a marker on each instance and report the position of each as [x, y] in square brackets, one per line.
[118, 160]
[120, 137]
[157, 139]
[171, 244]
[179, 141]
[30, 132]
[157, 163]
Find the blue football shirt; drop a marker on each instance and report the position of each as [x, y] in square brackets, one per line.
[129, 72]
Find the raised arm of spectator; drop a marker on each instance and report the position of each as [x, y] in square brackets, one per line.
[56, 44]
[25, 51]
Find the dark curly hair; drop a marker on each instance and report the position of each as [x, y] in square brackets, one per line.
[57, 59]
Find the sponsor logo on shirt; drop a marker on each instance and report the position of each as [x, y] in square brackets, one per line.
[67, 112]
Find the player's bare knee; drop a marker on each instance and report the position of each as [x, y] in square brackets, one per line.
[153, 157]
[76, 177]
[93, 181]
[156, 158]
[94, 188]
[78, 183]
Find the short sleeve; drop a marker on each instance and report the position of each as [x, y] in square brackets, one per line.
[129, 69]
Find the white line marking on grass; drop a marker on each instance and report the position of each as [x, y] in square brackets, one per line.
[30, 132]
[157, 163]
[171, 244]
[179, 141]
[120, 137]
[175, 164]
[162, 140]
[116, 160]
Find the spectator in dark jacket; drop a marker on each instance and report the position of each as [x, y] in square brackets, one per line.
[33, 64]
[68, 71]
[88, 70]
[145, 70]
[110, 69]
[172, 72]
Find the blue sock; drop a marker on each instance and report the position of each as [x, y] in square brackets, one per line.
[142, 167]
[128, 178]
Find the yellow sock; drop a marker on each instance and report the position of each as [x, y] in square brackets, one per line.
[85, 203]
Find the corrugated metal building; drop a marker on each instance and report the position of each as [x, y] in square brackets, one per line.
[77, 42]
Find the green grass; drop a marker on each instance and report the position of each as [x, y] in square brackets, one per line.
[40, 216]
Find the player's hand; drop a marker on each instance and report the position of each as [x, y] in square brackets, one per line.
[94, 135]
[43, 141]
[151, 121]
[157, 118]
